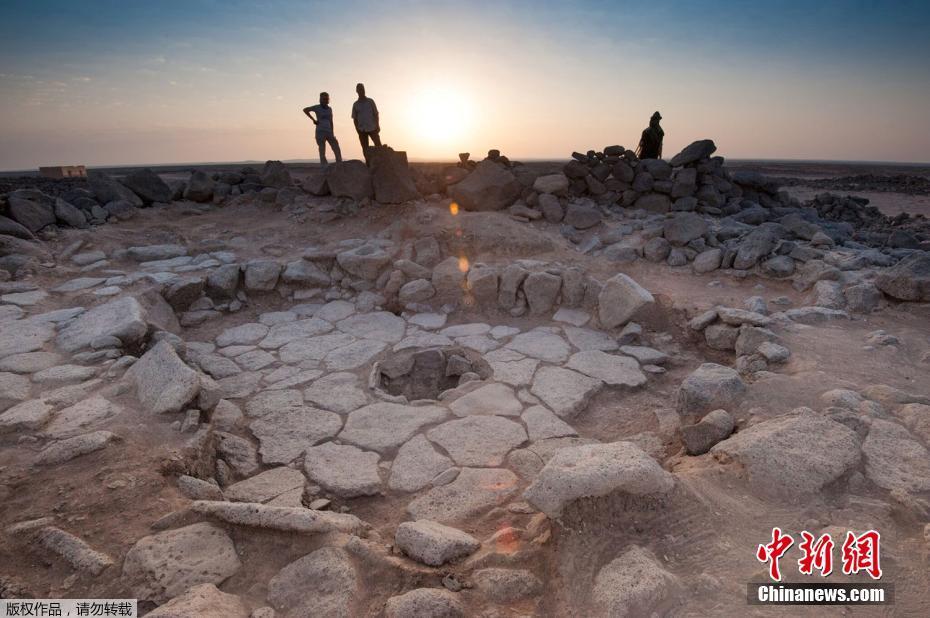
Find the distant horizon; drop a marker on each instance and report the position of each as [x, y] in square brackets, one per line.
[452, 161]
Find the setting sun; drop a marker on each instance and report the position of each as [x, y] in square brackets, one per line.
[440, 116]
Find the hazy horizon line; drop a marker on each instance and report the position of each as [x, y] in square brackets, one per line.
[35, 170]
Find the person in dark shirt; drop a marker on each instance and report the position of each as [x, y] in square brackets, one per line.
[324, 128]
[650, 144]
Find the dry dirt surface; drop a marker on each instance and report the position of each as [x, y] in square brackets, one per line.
[532, 390]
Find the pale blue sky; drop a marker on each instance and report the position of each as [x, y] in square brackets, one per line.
[109, 82]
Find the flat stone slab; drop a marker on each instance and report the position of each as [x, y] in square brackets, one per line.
[167, 564]
[313, 348]
[575, 317]
[81, 416]
[70, 448]
[516, 372]
[284, 435]
[266, 486]
[26, 416]
[474, 491]
[255, 360]
[495, 399]
[480, 441]
[283, 334]
[24, 299]
[269, 401]
[645, 355]
[590, 339]
[416, 465]
[428, 321]
[542, 424]
[611, 369]
[337, 392]
[378, 325]
[593, 470]
[76, 285]
[466, 330]
[353, 355]
[564, 391]
[244, 334]
[335, 311]
[384, 426]
[542, 344]
[343, 470]
[29, 362]
[422, 340]
[17, 338]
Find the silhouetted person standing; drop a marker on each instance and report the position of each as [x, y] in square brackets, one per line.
[650, 144]
[324, 128]
[365, 117]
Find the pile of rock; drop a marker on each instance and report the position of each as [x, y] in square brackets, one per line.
[744, 332]
[691, 181]
[26, 212]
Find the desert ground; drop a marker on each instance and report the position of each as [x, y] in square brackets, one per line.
[485, 388]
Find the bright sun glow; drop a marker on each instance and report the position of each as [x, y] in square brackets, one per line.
[440, 116]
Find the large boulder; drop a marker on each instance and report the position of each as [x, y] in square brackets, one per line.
[124, 318]
[275, 174]
[164, 383]
[792, 456]
[684, 227]
[424, 603]
[391, 178]
[70, 215]
[349, 179]
[9, 227]
[490, 186]
[322, 583]
[694, 152]
[653, 202]
[551, 183]
[432, 543]
[634, 584]
[909, 279]
[203, 601]
[31, 214]
[106, 190]
[365, 261]
[620, 299]
[894, 459]
[148, 186]
[709, 387]
[167, 564]
[757, 244]
[199, 187]
[593, 470]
